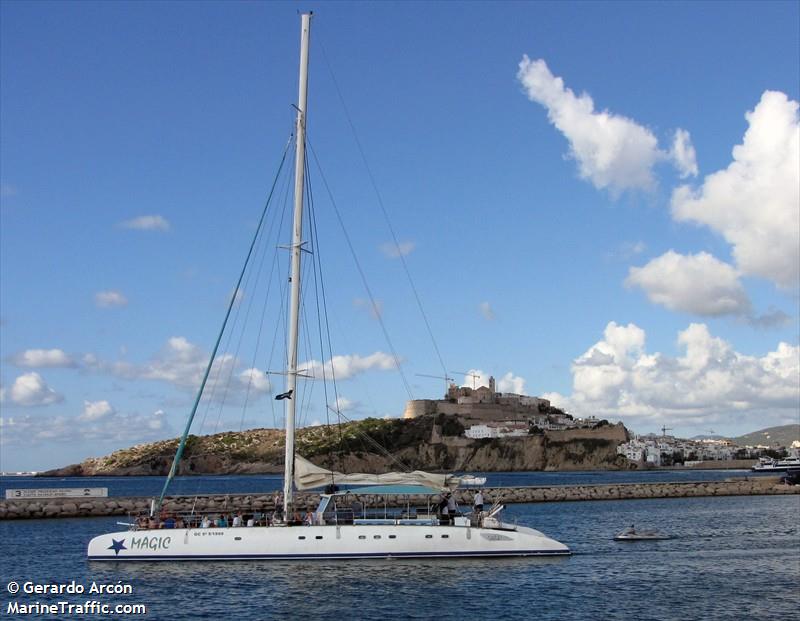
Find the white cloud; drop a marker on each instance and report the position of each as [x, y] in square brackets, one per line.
[612, 151]
[683, 154]
[699, 284]
[96, 410]
[109, 299]
[30, 390]
[42, 358]
[147, 223]
[256, 379]
[711, 382]
[400, 249]
[343, 404]
[179, 362]
[754, 202]
[124, 429]
[182, 364]
[475, 378]
[486, 310]
[348, 366]
[511, 383]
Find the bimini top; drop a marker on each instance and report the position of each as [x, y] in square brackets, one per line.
[309, 476]
[420, 490]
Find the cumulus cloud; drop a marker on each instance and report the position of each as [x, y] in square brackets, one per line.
[42, 358]
[349, 366]
[182, 364]
[256, 379]
[486, 310]
[147, 223]
[711, 382]
[474, 378]
[30, 390]
[110, 299]
[611, 151]
[96, 410]
[111, 427]
[511, 383]
[754, 202]
[400, 249]
[683, 154]
[698, 284]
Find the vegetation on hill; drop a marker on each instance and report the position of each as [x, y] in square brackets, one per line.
[771, 436]
[368, 445]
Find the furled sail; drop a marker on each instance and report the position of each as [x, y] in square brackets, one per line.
[308, 476]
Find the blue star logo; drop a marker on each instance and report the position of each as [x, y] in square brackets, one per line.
[117, 546]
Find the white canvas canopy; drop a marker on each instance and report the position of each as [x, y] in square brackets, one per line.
[309, 476]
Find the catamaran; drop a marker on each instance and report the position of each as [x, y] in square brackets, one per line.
[341, 527]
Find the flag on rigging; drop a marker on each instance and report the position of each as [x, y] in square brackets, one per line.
[284, 395]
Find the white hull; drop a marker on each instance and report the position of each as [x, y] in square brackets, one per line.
[321, 542]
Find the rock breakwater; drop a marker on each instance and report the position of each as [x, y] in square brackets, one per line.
[124, 506]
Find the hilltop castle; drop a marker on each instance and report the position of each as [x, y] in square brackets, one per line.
[485, 411]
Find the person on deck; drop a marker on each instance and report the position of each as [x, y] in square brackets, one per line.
[452, 508]
[478, 502]
[442, 506]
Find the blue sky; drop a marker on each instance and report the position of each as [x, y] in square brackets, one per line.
[598, 203]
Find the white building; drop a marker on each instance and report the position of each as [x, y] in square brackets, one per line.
[508, 430]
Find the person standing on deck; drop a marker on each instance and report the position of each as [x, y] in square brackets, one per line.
[452, 508]
[478, 502]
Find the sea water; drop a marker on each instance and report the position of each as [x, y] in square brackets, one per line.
[730, 558]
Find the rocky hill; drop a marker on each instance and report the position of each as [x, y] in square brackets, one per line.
[425, 443]
[772, 436]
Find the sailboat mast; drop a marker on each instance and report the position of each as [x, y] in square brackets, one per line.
[296, 252]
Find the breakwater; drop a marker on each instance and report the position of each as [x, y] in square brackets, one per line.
[123, 506]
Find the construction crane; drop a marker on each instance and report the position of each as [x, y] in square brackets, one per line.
[465, 374]
[664, 431]
[446, 379]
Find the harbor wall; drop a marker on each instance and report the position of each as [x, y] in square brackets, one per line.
[124, 506]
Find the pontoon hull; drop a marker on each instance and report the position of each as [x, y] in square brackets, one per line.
[321, 542]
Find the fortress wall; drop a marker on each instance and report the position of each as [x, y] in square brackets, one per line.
[611, 432]
[419, 407]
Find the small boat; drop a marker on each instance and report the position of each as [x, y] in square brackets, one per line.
[470, 480]
[631, 534]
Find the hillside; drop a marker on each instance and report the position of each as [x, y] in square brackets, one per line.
[771, 436]
[426, 443]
